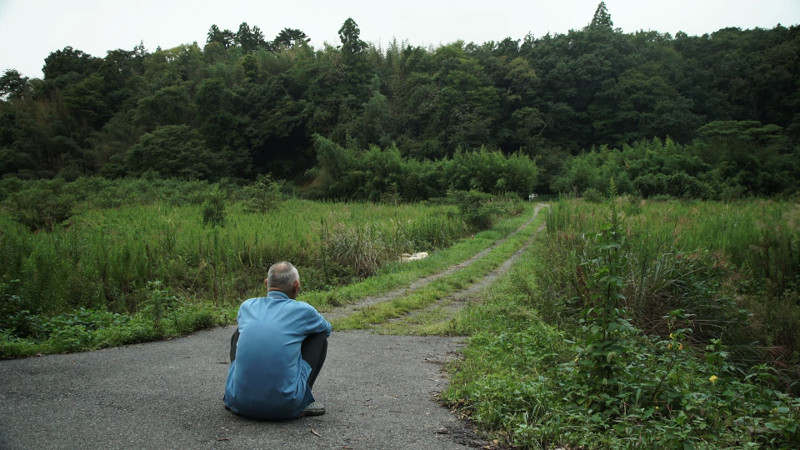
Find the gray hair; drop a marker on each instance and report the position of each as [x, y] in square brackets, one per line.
[282, 276]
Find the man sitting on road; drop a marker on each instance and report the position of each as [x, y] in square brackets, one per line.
[277, 352]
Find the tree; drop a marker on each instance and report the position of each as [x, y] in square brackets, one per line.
[86, 102]
[13, 85]
[350, 35]
[749, 154]
[167, 106]
[466, 103]
[290, 38]
[174, 151]
[249, 39]
[120, 70]
[374, 125]
[255, 104]
[601, 19]
[69, 61]
[273, 124]
[226, 38]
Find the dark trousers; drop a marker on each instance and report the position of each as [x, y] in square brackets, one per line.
[313, 351]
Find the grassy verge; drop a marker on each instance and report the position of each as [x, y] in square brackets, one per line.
[164, 315]
[558, 356]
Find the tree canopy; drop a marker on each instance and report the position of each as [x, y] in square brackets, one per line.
[253, 106]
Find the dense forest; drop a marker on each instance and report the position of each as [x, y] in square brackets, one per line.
[712, 116]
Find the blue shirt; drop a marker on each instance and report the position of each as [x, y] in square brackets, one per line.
[268, 378]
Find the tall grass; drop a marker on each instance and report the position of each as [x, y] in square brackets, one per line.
[127, 245]
[105, 257]
[680, 378]
[732, 268]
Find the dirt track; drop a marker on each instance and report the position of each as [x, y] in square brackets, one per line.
[379, 391]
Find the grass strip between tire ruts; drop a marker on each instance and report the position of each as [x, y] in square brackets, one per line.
[372, 315]
[398, 274]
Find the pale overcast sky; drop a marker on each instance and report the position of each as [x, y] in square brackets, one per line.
[32, 29]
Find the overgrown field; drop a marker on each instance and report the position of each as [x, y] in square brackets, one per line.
[647, 324]
[96, 263]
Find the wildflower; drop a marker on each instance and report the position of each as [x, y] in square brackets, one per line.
[671, 336]
[712, 378]
[680, 347]
[669, 347]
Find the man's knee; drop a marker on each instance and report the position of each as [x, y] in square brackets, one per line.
[314, 346]
[314, 351]
[234, 342]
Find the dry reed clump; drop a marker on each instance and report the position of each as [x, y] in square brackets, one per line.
[362, 249]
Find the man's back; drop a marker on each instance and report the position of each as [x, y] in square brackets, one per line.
[268, 378]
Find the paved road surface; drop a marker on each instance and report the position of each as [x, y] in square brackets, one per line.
[378, 391]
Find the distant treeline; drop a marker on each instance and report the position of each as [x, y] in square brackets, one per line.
[712, 116]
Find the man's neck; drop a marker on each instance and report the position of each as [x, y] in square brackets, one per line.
[281, 291]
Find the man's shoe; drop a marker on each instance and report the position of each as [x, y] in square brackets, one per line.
[314, 409]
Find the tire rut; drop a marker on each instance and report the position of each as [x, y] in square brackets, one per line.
[346, 310]
[453, 303]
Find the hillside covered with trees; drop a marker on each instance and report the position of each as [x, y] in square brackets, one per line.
[712, 116]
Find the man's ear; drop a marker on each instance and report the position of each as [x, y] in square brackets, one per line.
[296, 287]
[265, 283]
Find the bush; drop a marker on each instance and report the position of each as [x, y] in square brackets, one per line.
[477, 209]
[435, 232]
[214, 208]
[678, 185]
[651, 184]
[378, 173]
[592, 195]
[263, 195]
[42, 205]
[681, 185]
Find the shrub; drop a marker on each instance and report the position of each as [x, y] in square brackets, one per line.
[435, 232]
[681, 185]
[391, 196]
[477, 209]
[160, 304]
[651, 184]
[42, 205]
[592, 195]
[262, 195]
[214, 208]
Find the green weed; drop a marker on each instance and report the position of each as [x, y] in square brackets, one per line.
[107, 257]
[598, 381]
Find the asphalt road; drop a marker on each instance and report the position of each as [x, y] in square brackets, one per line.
[379, 392]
